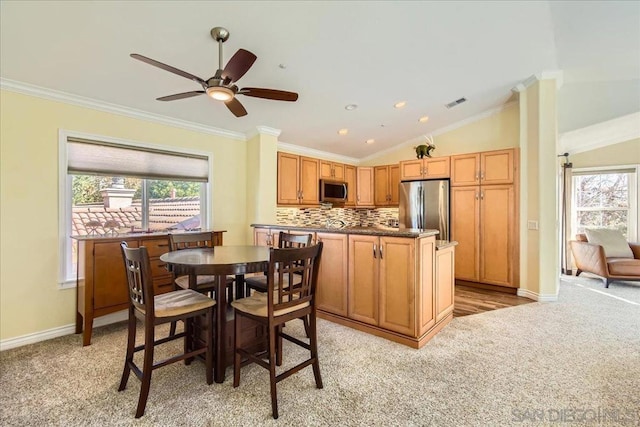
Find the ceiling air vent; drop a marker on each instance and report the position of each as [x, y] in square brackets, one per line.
[456, 102]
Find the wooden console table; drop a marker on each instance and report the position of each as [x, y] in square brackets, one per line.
[102, 281]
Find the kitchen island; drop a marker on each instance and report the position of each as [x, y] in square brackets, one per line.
[396, 284]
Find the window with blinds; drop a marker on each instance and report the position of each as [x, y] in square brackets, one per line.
[117, 188]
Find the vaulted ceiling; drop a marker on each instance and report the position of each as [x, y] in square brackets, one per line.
[372, 54]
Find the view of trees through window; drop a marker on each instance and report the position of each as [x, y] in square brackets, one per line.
[601, 200]
[86, 188]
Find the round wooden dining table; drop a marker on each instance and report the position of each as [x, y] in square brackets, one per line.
[219, 261]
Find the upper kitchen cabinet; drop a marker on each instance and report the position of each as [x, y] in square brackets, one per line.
[486, 168]
[298, 178]
[387, 180]
[351, 180]
[425, 168]
[364, 187]
[330, 170]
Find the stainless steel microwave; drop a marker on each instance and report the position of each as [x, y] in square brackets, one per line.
[333, 191]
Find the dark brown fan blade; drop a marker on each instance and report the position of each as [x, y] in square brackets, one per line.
[236, 107]
[168, 68]
[238, 65]
[278, 95]
[181, 95]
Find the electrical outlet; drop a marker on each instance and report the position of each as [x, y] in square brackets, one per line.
[532, 225]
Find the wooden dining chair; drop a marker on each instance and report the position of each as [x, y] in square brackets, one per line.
[204, 284]
[152, 310]
[283, 301]
[285, 240]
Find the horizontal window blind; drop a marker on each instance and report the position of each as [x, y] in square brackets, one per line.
[615, 169]
[104, 158]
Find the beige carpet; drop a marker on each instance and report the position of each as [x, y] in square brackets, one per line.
[570, 362]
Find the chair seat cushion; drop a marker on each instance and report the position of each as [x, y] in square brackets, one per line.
[202, 282]
[180, 302]
[256, 304]
[623, 266]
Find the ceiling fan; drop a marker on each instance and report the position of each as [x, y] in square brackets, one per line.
[222, 85]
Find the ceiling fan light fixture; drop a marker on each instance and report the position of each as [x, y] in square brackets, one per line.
[220, 93]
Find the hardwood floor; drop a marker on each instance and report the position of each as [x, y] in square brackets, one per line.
[471, 300]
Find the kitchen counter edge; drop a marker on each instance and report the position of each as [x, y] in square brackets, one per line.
[371, 231]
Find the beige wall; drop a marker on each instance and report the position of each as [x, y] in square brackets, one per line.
[497, 131]
[624, 153]
[539, 263]
[30, 300]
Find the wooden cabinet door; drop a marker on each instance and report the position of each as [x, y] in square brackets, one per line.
[465, 229]
[497, 167]
[363, 278]
[411, 170]
[465, 169]
[331, 293]
[396, 256]
[309, 177]
[365, 191]
[338, 171]
[436, 167]
[497, 231]
[326, 170]
[394, 185]
[350, 179]
[381, 185]
[288, 177]
[424, 287]
[261, 236]
[445, 275]
[109, 276]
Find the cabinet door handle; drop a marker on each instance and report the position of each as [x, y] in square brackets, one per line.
[482, 195]
[477, 176]
[481, 176]
[301, 195]
[375, 248]
[476, 195]
[380, 251]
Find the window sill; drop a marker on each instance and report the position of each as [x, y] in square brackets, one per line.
[68, 284]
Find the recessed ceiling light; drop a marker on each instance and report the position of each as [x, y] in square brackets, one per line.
[350, 107]
[400, 104]
[343, 131]
[370, 141]
[423, 119]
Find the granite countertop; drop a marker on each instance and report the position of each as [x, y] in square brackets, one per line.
[378, 230]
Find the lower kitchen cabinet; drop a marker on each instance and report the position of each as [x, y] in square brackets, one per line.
[331, 293]
[363, 278]
[445, 277]
[397, 284]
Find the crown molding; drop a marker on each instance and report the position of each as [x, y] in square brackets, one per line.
[67, 98]
[305, 151]
[420, 139]
[620, 129]
[263, 130]
[556, 75]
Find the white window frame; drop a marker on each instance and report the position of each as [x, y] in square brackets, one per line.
[65, 194]
[634, 196]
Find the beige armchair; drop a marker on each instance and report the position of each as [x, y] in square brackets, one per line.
[591, 258]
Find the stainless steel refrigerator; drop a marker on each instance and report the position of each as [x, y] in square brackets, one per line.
[425, 205]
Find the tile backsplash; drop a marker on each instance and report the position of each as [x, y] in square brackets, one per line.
[320, 216]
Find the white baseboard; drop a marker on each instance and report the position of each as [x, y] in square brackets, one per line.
[536, 296]
[59, 331]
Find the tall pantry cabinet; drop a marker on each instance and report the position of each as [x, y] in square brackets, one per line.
[484, 217]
